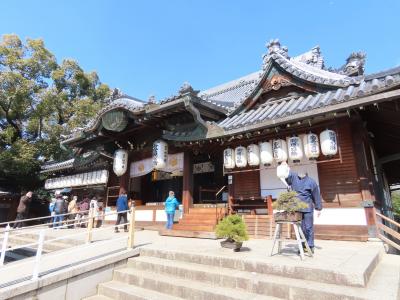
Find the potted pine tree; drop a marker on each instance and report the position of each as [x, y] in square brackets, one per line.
[288, 206]
[234, 230]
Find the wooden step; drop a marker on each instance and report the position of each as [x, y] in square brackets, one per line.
[198, 221]
[205, 210]
[193, 227]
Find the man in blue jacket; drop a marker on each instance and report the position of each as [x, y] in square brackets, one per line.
[308, 192]
[122, 207]
[171, 204]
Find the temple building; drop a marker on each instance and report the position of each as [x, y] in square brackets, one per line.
[218, 149]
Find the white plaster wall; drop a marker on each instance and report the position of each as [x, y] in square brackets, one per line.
[144, 215]
[161, 216]
[341, 216]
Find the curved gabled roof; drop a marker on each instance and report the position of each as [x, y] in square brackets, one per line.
[307, 67]
[275, 111]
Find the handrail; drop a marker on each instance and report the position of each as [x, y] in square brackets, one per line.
[388, 231]
[84, 218]
[387, 219]
[40, 218]
[221, 189]
[41, 241]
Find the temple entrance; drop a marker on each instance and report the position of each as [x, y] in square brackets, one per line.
[153, 188]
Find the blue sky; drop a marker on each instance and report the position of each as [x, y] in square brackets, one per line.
[152, 47]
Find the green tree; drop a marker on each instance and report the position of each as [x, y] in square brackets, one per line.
[40, 101]
[396, 204]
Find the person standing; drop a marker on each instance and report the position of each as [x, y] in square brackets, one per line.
[307, 191]
[171, 204]
[72, 210]
[22, 209]
[51, 210]
[122, 207]
[60, 208]
[94, 205]
[83, 211]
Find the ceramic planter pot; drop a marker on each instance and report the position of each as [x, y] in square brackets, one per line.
[231, 244]
[288, 216]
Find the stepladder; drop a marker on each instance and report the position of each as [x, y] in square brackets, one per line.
[300, 238]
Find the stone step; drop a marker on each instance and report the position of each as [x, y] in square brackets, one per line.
[183, 288]
[341, 275]
[47, 247]
[51, 235]
[263, 284]
[118, 290]
[97, 297]
[188, 233]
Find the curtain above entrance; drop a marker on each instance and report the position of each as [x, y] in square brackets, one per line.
[145, 166]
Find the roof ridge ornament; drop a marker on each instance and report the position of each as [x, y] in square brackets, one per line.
[354, 64]
[186, 88]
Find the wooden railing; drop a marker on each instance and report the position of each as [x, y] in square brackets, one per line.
[259, 203]
[389, 231]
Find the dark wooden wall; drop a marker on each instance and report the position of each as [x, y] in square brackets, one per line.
[339, 181]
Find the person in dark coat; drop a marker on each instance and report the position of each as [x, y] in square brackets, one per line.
[22, 209]
[60, 208]
[307, 191]
[122, 207]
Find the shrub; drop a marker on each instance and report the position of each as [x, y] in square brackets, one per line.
[233, 228]
[289, 202]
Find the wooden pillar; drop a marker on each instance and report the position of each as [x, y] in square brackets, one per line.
[360, 142]
[270, 210]
[187, 193]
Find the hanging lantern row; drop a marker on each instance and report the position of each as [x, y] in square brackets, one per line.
[280, 150]
[89, 178]
[160, 154]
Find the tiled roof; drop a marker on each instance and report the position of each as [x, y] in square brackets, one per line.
[58, 165]
[232, 91]
[290, 106]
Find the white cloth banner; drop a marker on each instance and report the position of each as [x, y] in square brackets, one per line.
[145, 166]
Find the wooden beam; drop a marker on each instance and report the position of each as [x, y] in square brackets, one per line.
[389, 158]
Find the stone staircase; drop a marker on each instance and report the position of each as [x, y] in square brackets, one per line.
[169, 274]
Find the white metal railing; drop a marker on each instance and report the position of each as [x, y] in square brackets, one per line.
[38, 218]
[40, 243]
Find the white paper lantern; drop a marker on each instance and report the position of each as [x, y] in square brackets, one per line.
[229, 158]
[104, 176]
[266, 156]
[160, 154]
[279, 150]
[328, 140]
[85, 179]
[311, 146]
[282, 171]
[79, 179]
[253, 155]
[295, 149]
[120, 164]
[240, 157]
[68, 181]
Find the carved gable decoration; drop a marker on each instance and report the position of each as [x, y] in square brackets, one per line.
[276, 82]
